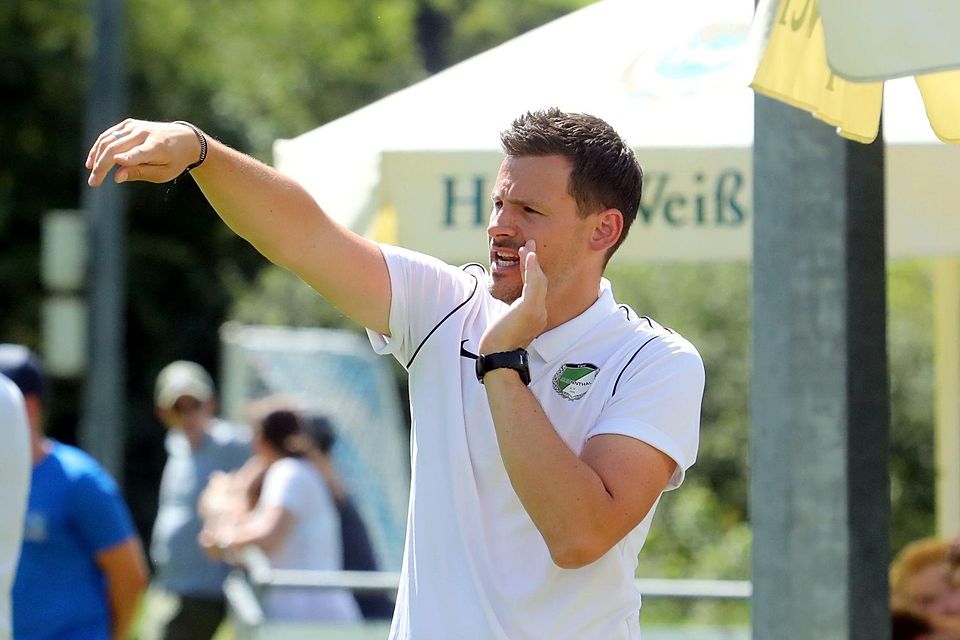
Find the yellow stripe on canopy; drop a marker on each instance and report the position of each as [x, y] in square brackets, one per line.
[941, 97]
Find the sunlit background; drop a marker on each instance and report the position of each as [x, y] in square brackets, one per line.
[254, 72]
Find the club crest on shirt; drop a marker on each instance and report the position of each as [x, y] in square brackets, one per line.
[572, 381]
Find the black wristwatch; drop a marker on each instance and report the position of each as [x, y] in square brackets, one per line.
[516, 360]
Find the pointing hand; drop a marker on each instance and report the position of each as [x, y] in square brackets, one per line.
[150, 151]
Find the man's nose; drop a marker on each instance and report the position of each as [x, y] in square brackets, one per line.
[501, 224]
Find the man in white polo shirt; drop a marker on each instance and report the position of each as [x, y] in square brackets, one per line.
[547, 419]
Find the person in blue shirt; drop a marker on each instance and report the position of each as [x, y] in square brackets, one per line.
[82, 568]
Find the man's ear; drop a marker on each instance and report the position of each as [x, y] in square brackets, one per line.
[606, 230]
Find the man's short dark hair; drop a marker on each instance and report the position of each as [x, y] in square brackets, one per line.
[605, 173]
[23, 367]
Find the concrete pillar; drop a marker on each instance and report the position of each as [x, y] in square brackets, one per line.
[819, 395]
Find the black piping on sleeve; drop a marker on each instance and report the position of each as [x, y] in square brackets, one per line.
[620, 375]
[476, 285]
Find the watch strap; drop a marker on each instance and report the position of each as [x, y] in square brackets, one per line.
[516, 360]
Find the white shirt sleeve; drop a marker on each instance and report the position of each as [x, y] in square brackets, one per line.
[423, 291]
[657, 401]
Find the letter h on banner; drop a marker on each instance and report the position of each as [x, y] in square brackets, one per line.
[476, 200]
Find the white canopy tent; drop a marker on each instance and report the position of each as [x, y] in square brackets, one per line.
[416, 167]
[671, 77]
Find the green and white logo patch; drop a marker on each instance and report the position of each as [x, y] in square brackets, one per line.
[572, 381]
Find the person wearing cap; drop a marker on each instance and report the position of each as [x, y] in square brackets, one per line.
[14, 489]
[82, 568]
[198, 445]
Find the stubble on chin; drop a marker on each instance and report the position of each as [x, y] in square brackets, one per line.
[505, 290]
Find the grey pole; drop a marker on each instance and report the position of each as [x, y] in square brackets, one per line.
[102, 428]
[819, 397]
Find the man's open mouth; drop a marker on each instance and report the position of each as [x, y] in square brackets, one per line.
[504, 259]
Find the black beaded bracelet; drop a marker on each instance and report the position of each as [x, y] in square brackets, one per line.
[203, 144]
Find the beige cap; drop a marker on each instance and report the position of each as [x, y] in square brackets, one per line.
[182, 378]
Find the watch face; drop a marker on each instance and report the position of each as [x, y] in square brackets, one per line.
[524, 369]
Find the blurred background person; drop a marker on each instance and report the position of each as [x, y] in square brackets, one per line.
[358, 553]
[905, 625]
[82, 568]
[920, 584]
[294, 521]
[953, 555]
[198, 445]
[14, 489]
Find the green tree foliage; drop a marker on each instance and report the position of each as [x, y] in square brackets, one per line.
[247, 73]
[278, 297]
[42, 81]
[42, 75]
[910, 331]
[702, 529]
[451, 30]
[260, 70]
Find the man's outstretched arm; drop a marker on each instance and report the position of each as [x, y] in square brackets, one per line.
[266, 208]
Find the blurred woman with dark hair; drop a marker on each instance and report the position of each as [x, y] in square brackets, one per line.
[293, 520]
[358, 552]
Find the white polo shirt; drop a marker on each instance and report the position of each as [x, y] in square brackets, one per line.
[475, 566]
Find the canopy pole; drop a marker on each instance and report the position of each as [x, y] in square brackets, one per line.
[946, 364]
[103, 424]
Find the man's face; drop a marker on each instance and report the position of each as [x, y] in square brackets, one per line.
[531, 201]
[188, 413]
[931, 592]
